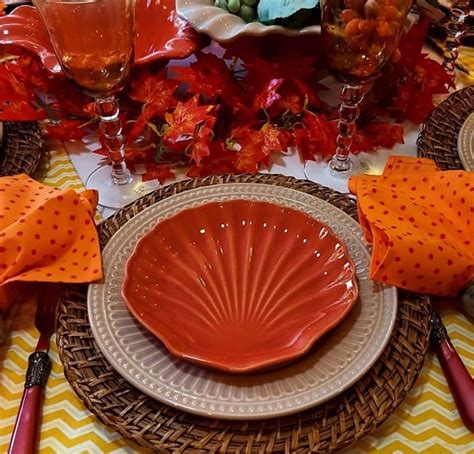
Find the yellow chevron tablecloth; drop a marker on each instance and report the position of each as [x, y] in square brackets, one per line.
[427, 422]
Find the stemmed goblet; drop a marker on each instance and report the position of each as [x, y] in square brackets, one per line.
[359, 38]
[455, 28]
[93, 40]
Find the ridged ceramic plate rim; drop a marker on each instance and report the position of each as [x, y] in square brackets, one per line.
[139, 357]
[466, 143]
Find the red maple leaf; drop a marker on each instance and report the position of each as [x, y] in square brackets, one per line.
[200, 145]
[137, 156]
[59, 93]
[431, 76]
[69, 100]
[199, 149]
[256, 146]
[220, 161]
[286, 84]
[154, 88]
[28, 70]
[17, 100]
[250, 153]
[414, 97]
[138, 127]
[158, 172]
[66, 130]
[315, 137]
[157, 94]
[412, 44]
[376, 134]
[309, 92]
[185, 119]
[267, 95]
[411, 103]
[295, 97]
[209, 76]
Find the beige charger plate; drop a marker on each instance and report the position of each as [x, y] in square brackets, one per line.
[334, 363]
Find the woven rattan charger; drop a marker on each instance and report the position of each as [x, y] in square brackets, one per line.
[329, 427]
[21, 148]
[438, 139]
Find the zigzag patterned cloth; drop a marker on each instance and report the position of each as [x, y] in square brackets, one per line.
[427, 421]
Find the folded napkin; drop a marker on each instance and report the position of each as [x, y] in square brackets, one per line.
[46, 235]
[420, 222]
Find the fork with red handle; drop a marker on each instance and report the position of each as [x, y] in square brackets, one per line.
[459, 379]
[25, 433]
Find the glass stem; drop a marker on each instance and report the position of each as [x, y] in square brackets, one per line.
[455, 28]
[110, 129]
[351, 96]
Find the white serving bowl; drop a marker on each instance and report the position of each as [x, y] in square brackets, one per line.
[224, 26]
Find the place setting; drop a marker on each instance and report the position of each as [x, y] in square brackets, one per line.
[248, 230]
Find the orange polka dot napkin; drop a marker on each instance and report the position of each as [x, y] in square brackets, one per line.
[46, 235]
[420, 222]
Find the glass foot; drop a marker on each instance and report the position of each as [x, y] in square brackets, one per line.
[112, 195]
[340, 168]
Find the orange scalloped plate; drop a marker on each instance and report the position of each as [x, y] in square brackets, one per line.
[240, 285]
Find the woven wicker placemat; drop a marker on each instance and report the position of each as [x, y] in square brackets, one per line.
[329, 427]
[438, 140]
[21, 149]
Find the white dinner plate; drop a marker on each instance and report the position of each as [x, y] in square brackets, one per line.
[333, 364]
[466, 143]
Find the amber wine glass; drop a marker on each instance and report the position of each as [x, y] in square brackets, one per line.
[93, 40]
[359, 38]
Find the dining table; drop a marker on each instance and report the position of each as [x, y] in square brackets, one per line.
[427, 420]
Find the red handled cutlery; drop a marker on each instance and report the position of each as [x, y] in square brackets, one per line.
[25, 433]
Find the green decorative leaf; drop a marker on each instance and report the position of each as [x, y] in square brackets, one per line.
[269, 10]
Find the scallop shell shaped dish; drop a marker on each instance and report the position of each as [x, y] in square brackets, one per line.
[240, 285]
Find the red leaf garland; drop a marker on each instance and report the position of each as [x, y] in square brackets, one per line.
[225, 115]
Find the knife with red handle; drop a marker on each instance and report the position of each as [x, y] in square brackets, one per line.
[459, 379]
[25, 433]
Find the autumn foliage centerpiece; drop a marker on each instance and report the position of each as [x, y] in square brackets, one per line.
[229, 113]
